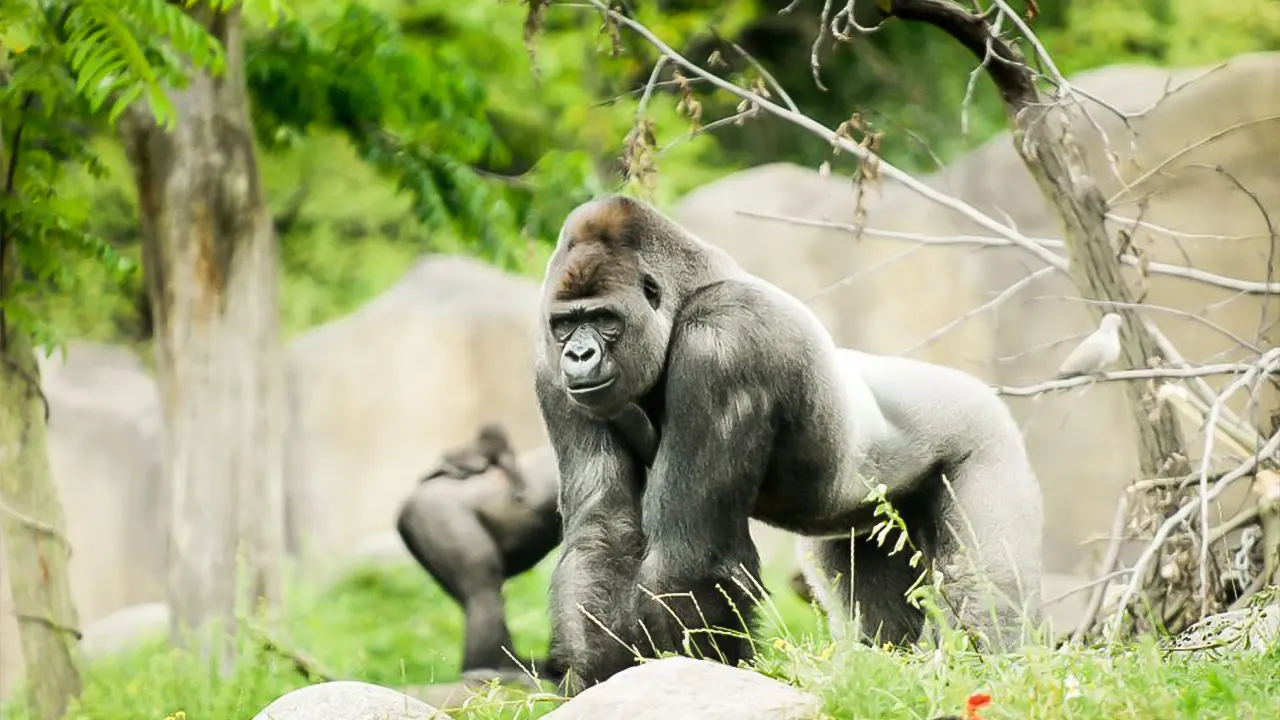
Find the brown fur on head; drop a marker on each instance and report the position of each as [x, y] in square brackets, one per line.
[596, 269]
[596, 237]
[605, 277]
[609, 221]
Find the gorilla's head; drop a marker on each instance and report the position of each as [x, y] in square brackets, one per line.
[492, 440]
[606, 307]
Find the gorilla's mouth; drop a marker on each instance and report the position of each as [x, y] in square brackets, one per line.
[586, 389]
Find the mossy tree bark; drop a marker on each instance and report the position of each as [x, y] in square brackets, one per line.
[1043, 136]
[209, 254]
[35, 544]
[36, 550]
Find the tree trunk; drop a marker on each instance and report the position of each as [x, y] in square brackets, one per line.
[1043, 137]
[209, 254]
[35, 542]
[32, 532]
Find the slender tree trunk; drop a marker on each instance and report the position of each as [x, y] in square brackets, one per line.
[209, 254]
[1042, 134]
[35, 543]
[36, 550]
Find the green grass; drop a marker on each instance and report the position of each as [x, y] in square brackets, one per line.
[394, 627]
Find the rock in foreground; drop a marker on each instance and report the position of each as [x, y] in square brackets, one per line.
[1252, 630]
[348, 700]
[678, 687]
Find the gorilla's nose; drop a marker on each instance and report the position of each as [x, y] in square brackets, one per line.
[580, 362]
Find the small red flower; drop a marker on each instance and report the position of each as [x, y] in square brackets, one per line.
[976, 702]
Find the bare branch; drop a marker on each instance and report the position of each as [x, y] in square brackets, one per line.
[991, 304]
[1249, 287]
[846, 145]
[1267, 364]
[1174, 157]
[769, 78]
[1108, 570]
[973, 79]
[1180, 234]
[1126, 375]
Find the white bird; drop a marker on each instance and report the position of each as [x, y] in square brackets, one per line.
[1097, 351]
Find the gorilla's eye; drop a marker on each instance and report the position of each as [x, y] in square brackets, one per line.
[651, 293]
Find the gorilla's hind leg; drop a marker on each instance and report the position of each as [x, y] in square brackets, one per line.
[991, 582]
[880, 586]
[456, 550]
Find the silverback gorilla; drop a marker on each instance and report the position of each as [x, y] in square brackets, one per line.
[683, 395]
[473, 529]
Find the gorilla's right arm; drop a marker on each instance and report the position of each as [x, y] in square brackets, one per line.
[599, 504]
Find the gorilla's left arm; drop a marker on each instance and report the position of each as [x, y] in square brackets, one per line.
[715, 444]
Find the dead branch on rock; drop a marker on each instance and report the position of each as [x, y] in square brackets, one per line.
[1141, 568]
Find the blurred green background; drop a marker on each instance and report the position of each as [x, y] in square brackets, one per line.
[392, 128]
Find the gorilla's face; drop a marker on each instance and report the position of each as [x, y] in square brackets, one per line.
[605, 323]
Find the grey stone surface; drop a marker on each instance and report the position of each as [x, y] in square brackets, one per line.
[124, 629]
[1252, 630]
[680, 688]
[348, 700]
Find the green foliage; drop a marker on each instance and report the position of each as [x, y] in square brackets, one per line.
[67, 68]
[1166, 32]
[475, 152]
[67, 71]
[120, 51]
[417, 112]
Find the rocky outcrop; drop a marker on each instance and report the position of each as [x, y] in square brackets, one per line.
[680, 688]
[1252, 630]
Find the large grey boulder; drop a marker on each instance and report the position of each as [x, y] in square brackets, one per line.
[124, 630]
[348, 700]
[680, 688]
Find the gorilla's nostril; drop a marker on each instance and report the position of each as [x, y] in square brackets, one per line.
[579, 354]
